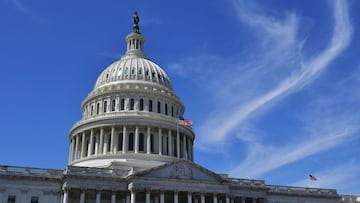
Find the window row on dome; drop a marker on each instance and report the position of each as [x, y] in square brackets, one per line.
[145, 73]
[116, 104]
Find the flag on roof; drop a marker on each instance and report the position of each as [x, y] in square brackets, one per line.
[183, 121]
[311, 177]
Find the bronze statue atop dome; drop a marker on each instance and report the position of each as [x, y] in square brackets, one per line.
[136, 18]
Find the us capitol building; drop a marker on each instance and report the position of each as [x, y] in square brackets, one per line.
[129, 148]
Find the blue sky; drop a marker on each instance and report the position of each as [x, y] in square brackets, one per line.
[273, 87]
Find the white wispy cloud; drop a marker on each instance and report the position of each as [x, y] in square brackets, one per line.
[307, 73]
[326, 125]
[261, 82]
[262, 158]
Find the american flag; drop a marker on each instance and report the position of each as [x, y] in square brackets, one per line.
[183, 121]
[311, 177]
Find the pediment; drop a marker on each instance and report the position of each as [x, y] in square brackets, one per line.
[182, 170]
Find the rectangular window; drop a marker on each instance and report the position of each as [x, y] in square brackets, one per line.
[166, 109]
[132, 104]
[11, 199]
[159, 107]
[131, 142]
[113, 103]
[122, 104]
[141, 105]
[150, 106]
[34, 200]
[141, 142]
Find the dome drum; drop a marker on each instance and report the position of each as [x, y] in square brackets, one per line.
[113, 142]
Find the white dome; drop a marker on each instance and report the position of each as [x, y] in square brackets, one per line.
[133, 68]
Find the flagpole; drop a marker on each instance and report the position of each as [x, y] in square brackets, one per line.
[308, 181]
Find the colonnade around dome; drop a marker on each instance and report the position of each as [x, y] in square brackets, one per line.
[117, 141]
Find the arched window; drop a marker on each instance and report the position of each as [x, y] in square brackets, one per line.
[141, 105]
[131, 142]
[166, 109]
[113, 103]
[105, 106]
[132, 104]
[122, 104]
[150, 105]
[141, 142]
[159, 107]
[97, 108]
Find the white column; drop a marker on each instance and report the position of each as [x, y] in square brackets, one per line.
[136, 139]
[215, 198]
[133, 197]
[192, 149]
[170, 143]
[125, 140]
[82, 196]
[147, 196]
[178, 144]
[71, 155]
[148, 141]
[202, 198]
[83, 145]
[112, 139]
[189, 195]
[160, 141]
[91, 143]
[162, 195]
[106, 141]
[113, 197]
[188, 148]
[227, 199]
[184, 146]
[77, 151]
[176, 197]
[97, 137]
[101, 145]
[66, 196]
[98, 196]
[116, 142]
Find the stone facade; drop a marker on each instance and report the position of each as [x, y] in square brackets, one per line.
[130, 148]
